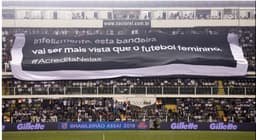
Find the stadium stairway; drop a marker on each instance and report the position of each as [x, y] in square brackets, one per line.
[220, 88]
[5, 89]
[172, 107]
[220, 112]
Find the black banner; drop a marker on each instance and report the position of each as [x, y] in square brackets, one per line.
[105, 52]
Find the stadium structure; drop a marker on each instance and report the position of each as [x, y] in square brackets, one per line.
[218, 102]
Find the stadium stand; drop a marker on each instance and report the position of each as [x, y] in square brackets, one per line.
[247, 41]
[178, 98]
[108, 109]
[131, 86]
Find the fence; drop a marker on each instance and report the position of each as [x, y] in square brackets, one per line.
[130, 90]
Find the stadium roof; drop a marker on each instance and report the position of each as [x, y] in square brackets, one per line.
[128, 4]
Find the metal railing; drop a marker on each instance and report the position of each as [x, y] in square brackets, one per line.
[131, 90]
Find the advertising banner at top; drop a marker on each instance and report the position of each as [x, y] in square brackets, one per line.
[51, 57]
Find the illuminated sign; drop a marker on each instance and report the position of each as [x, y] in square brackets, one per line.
[222, 126]
[184, 126]
[29, 126]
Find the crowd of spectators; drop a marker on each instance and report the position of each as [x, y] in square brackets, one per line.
[239, 110]
[130, 86]
[239, 86]
[247, 41]
[108, 109]
[197, 110]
